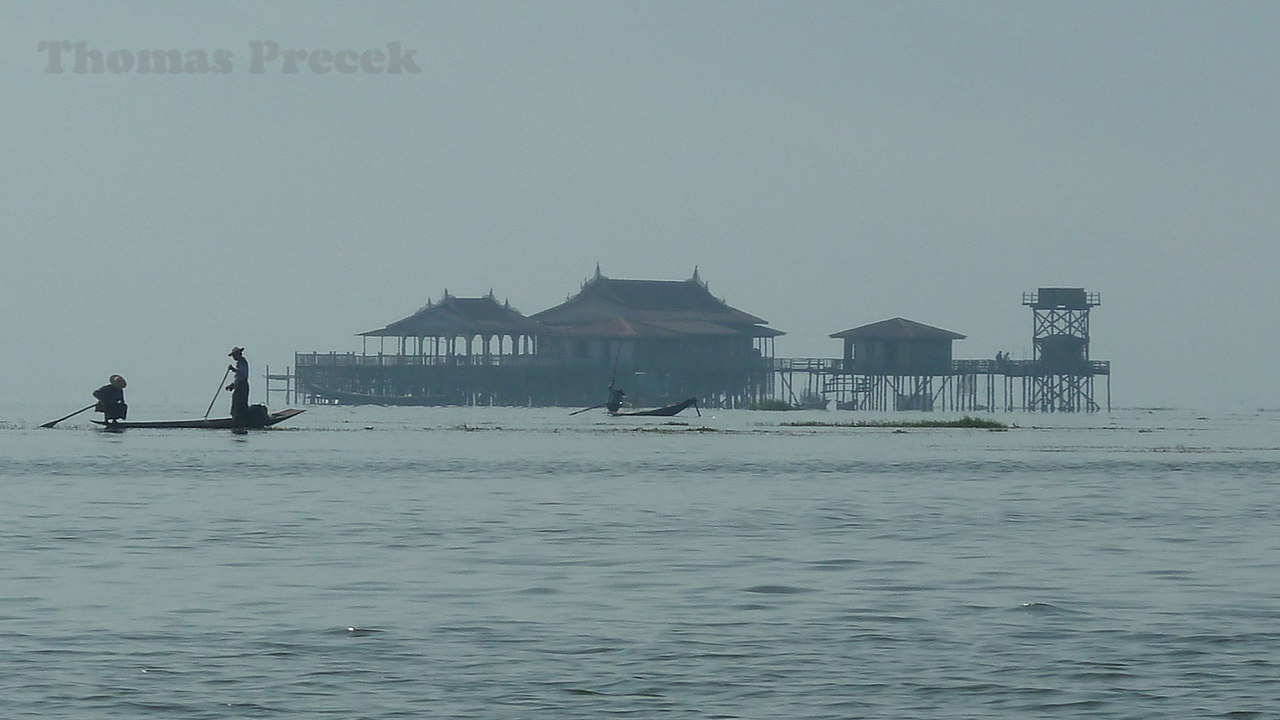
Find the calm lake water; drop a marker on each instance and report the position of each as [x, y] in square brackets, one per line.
[524, 563]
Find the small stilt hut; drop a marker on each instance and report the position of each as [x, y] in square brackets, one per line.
[892, 364]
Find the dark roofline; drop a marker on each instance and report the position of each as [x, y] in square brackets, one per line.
[617, 297]
[897, 329]
[454, 315]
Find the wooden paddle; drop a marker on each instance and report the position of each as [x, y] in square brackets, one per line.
[64, 417]
[593, 407]
[216, 393]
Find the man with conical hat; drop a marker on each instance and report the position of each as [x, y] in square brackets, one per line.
[111, 400]
[239, 387]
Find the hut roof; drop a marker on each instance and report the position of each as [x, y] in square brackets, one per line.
[454, 316]
[897, 329]
[652, 308]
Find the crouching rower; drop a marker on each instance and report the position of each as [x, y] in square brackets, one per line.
[111, 400]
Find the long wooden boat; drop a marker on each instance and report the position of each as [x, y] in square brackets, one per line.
[666, 411]
[224, 423]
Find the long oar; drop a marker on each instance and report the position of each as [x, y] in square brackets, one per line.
[593, 407]
[64, 417]
[215, 394]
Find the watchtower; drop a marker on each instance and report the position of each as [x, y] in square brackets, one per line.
[1060, 378]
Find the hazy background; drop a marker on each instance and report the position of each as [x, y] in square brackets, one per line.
[824, 165]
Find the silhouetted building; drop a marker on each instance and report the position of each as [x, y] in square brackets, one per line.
[892, 364]
[897, 347]
[457, 351]
[659, 339]
[667, 340]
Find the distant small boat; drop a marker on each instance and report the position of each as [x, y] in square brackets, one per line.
[666, 411]
[225, 423]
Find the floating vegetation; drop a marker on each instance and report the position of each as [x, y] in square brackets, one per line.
[681, 428]
[964, 422]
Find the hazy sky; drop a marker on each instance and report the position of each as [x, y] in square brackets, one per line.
[824, 165]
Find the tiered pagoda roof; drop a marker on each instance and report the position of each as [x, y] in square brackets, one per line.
[609, 307]
[458, 316]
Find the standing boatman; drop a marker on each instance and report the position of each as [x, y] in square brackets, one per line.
[239, 387]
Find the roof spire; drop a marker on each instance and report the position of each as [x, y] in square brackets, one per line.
[598, 275]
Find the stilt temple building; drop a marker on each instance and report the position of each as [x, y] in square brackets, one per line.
[660, 340]
[458, 351]
[663, 341]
